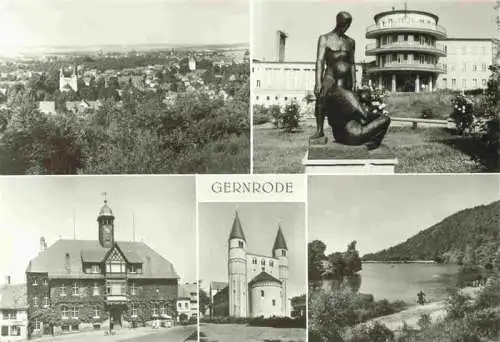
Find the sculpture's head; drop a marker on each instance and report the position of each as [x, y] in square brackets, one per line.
[344, 20]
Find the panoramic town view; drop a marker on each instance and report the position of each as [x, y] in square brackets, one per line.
[252, 271]
[89, 94]
[419, 91]
[423, 264]
[87, 264]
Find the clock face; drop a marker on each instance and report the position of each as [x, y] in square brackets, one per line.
[107, 229]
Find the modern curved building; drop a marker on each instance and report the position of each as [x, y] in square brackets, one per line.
[406, 50]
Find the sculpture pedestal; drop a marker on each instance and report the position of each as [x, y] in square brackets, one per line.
[333, 158]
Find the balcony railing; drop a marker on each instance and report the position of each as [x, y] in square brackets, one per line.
[410, 66]
[438, 48]
[406, 26]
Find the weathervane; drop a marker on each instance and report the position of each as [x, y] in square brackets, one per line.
[105, 194]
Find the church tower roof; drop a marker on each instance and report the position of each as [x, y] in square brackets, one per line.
[237, 230]
[105, 210]
[279, 242]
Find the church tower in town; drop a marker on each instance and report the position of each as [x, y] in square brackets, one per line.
[238, 285]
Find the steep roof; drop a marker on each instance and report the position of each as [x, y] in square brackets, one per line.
[185, 290]
[264, 277]
[53, 259]
[217, 285]
[279, 242]
[237, 230]
[13, 296]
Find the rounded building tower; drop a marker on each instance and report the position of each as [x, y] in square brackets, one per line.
[406, 50]
[237, 269]
[265, 293]
[280, 252]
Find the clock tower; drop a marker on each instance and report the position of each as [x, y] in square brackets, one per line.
[106, 226]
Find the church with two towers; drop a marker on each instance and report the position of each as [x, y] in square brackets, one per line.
[257, 283]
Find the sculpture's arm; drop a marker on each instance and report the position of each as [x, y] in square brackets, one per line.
[320, 64]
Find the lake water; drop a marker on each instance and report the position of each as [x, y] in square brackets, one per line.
[404, 281]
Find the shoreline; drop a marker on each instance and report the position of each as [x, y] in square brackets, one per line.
[400, 262]
[436, 310]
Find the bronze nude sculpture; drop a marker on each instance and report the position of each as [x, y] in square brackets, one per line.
[350, 122]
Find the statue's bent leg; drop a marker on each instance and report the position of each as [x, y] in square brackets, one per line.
[319, 113]
[371, 133]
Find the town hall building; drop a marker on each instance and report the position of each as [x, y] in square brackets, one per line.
[76, 285]
[257, 283]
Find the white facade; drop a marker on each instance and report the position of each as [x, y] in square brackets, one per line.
[280, 83]
[467, 63]
[266, 297]
[248, 271]
[238, 284]
[13, 325]
[68, 82]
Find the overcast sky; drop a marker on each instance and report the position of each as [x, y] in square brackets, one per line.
[260, 225]
[99, 22]
[31, 207]
[304, 21]
[381, 211]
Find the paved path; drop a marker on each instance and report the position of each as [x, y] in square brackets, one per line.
[175, 334]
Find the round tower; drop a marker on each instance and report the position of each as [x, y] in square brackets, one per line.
[406, 50]
[280, 252]
[237, 270]
[106, 223]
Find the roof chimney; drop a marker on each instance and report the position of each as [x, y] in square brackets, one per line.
[7, 280]
[43, 244]
[280, 45]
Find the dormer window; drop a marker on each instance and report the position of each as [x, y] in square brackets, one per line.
[115, 263]
[135, 268]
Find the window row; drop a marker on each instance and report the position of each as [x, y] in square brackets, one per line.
[157, 310]
[474, 83]
[462, 50]
[112, 288]
[466, 67]
[186, 306]
[11, 330]
[263, 260]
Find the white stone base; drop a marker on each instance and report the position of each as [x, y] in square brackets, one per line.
[349, 166]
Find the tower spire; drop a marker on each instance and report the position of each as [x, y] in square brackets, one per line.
[237, 230]
[280, 242]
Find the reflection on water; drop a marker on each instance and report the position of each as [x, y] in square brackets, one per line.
[404, 281]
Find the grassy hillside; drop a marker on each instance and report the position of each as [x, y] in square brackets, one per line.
[469, 236]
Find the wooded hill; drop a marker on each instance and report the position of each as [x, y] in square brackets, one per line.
[470, 236]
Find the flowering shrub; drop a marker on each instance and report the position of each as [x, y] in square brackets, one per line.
[373, 100]
[463, 112]
[286, 118]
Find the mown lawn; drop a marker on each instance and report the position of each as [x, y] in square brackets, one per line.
[424, 150]
[244, 333]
